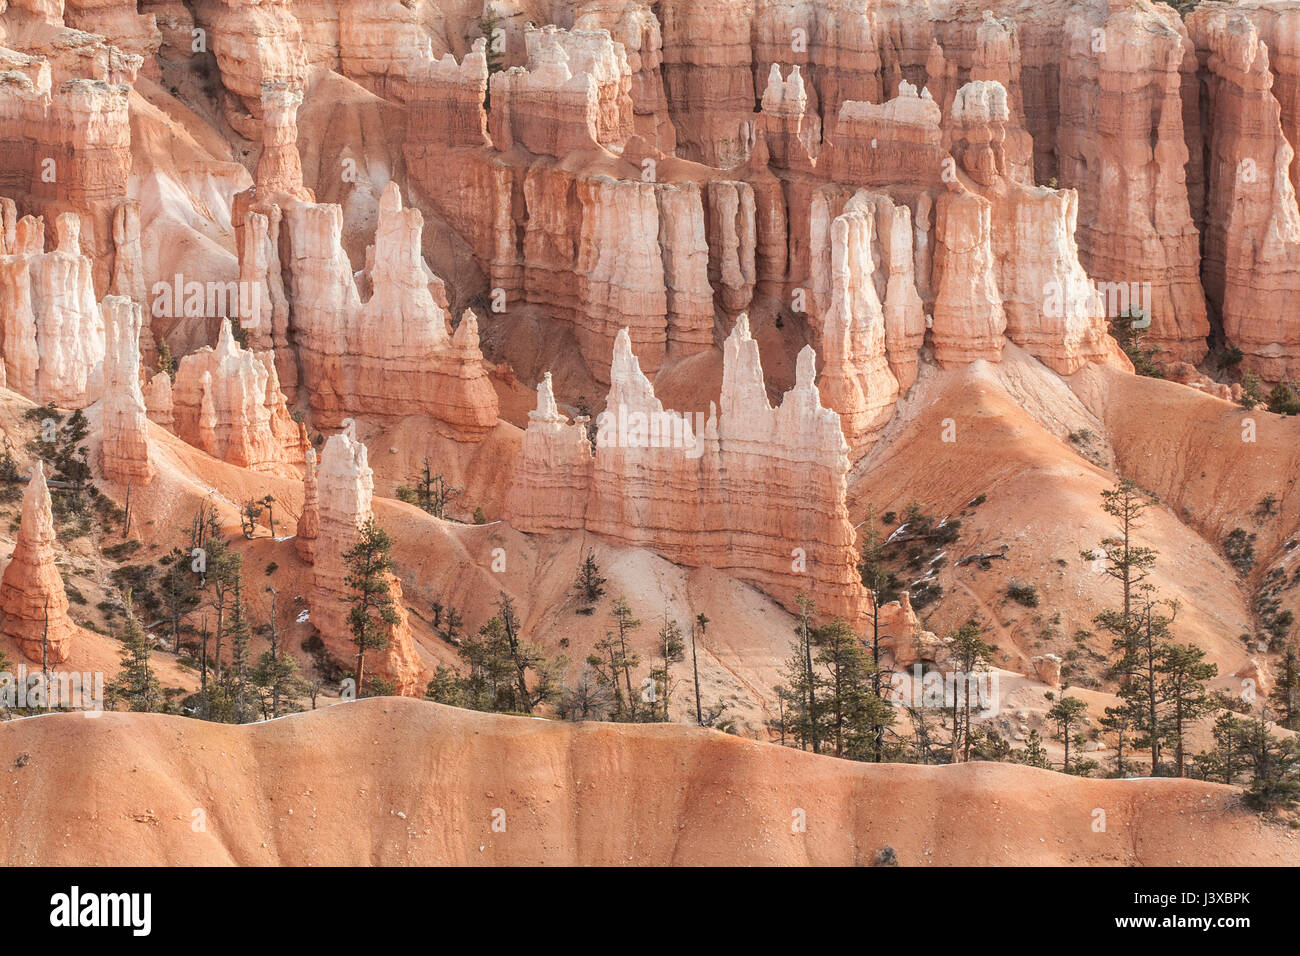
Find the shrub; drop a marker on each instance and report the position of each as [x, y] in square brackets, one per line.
[1026, 594]
[1239, 546]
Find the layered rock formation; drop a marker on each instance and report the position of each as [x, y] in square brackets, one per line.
[635, 26]
[1122, 143]
[158, 401]
[753, 490]
[33, 604]
[125, 423]
[345, 489]
[857, 379]
[279, 168]
[309, 522]
[53, 330]
[1252, 244]
[227, 402]
[392, 355]
[255, 42]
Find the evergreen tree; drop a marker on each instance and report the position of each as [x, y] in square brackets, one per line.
[701, 624]
[1286, 691]
[972, 655]
[1034, 754]
[883, 587]
[804, 682]
[1143, 658]
[1231, 755]
[1125, 561]
[429, 492]
[612, 661]
[372, 613]
[179, 591]
[1184, 672]
[238, 684]
[853, 710]
[590, 584]
[671, 649]
[1119, 721]
[1067, 712]
[1276, 765]
[136, 684]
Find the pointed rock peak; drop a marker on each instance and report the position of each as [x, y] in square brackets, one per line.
[344, 453]
[806, 368]
[37, 488]
[391, 200]
[546, 396]
[741, 331]
[467, 332]
[36, 526]
[774, 78]
[907, 89]
[796, 82]
[226, 344]
[311, 463]
[625, 366]
[742, 370]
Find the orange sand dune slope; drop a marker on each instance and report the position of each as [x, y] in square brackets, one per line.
[391, 781]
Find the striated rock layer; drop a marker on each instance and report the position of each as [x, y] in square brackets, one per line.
[1252, 242]
[753, 490]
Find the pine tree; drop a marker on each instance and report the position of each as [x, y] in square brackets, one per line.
[1126, 562]
[276, 673]
[853, 709]
[238, 689]
[1034, 754]
[883, 587]
[1276, 766]
[1119, 721]
[671, 649]
[1231, 755]
[590, 584]
[701, 624]
[972, 654]
[612, 661]
[490, 26]
[372, 613]
[1184, 672]
[1143, 658]
[430, 493]
[179, 591]
[136, 684]
[225, 569]
[1067, 713]
[807, 718]
[1286, 691]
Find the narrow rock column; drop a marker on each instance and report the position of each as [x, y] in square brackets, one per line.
[31, 591]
